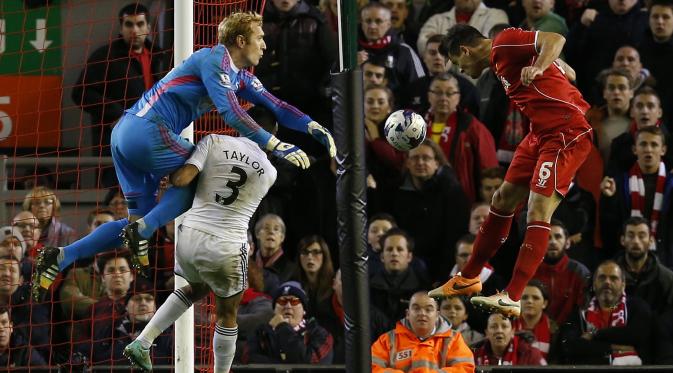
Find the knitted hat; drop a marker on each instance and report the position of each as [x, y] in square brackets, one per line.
[9, 231]
[292, 288]
[141, 286]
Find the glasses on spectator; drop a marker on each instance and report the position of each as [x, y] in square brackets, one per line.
[307, 252]
[439, 93]
[294, 301]
[42, 202]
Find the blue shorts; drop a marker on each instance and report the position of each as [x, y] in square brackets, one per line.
[143, 152]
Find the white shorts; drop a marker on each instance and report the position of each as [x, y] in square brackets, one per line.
[204, 258]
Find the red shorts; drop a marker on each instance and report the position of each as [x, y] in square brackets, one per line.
[548, 162]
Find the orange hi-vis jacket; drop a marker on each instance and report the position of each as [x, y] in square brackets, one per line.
[400, 350]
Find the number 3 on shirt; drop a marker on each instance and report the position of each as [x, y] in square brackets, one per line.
[234, 186]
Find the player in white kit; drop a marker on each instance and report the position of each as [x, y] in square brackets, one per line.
[212, 249]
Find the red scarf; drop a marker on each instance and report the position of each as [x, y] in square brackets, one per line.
[266, 262]
[541, 331]
[378, 44]
[484, 355]
[637, 190]
[594, 319]
[633, 127]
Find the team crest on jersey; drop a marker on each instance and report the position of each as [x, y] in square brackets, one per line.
[403, 355]
[226, 82]
[505, 83]
[256, 84]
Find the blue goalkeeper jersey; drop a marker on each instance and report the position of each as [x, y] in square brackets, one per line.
[209, 78]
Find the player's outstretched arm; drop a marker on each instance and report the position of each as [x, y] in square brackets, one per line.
[549, 46]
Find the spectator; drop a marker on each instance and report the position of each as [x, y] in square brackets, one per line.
[270, 232]
[502, 347]
[657, 51]
[30, 231]
[378, 321]
[621, 23]
[646, 277]
[115, 201]
[540, 16]
[534, 321]
[645, 111]
[374, 73]
[490, 280]
[422, 338]
[612, 120]
[117, 74]
[315, 272]
[82, 286]
[289, 338]
[15, 245]
[644, 190]
[383, 161]
[416, 97]
[378, 39]
[502, 117]
[391, 288]
[378, 225]
[44, 204]
[627, 58]
[431, 205]
[472, 12]
[31, 322]
[399, 14]
[566, 279]
[465, 141]
[110, 338]
[454, 309]
[490, 181]
[14, 350]
[300, 49]
[116, 279]
[613, 329]
[478, 214]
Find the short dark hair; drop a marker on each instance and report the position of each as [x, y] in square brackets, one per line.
[458, 35]
[397, 232]
[383, 216]
[647, 90]
[467, 239]
[633, 221]
[6, 310]
[559, 223]
[102, 260]
[540, 285]
[665, 3]
[616, 72]
[654, 130]
[92, 215]
[435, 38]
[493, 173]
[133, 9]
[498, 28]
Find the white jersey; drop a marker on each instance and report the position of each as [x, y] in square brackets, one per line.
[235, 174]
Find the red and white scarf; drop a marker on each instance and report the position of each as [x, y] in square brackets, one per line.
[637, 190]
[484, 354]
[541, 331]
[595, 320]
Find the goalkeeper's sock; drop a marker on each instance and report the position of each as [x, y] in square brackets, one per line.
[175, 305]
[173, 203]
[104, 238]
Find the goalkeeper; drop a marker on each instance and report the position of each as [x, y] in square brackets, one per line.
[146, 144]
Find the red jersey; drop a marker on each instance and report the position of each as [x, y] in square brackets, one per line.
[550, 101]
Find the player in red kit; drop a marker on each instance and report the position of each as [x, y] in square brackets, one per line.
[545, 162]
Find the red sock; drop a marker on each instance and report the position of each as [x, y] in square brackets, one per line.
[530, 256]
[492, 233]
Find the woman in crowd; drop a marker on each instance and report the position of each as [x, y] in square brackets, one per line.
[44, 204]
[534, 323]
[315, 272]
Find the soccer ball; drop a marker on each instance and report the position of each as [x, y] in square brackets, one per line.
[405, 130]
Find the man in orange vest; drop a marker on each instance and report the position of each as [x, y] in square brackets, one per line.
[422, 342]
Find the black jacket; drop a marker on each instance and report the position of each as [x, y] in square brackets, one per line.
[654, 283]
[390, 293]
[658, 58]
[20, 354]
[637, 333]
[310, 345]
[112, 81]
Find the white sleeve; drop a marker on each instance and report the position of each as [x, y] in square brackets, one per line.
[431, 27]
[200, 154]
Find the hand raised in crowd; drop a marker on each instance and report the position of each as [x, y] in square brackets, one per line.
[608, 186]
[277, 319]
[588, 17]
[362, 57]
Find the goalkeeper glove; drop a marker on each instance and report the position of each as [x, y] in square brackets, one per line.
[323, 135]
[288, 152]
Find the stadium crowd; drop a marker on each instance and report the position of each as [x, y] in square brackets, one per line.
[603, 294]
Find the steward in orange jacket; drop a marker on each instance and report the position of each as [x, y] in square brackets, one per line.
[402, 350]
